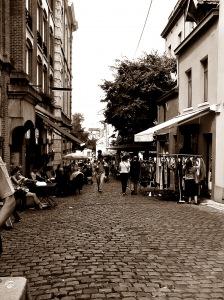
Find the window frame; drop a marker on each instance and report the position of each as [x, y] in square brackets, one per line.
[29, 58]
[39, 73]
[204, 64]
[189, 87]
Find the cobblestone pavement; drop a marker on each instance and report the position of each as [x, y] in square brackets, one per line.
[106, 246]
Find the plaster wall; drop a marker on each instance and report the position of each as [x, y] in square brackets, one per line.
[177, 34]
[218, 150]
[205, 46]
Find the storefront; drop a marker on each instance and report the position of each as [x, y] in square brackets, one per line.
[187, 134]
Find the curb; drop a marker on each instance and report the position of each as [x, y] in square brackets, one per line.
[213, 204]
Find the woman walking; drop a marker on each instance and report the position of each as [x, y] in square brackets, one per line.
[124, 168]
[191, 180]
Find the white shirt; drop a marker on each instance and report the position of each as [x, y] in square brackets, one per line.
[124, 167]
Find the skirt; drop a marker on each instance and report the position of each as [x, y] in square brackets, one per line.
[191, 188]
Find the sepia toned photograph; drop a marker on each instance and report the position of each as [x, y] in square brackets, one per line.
[111, 149]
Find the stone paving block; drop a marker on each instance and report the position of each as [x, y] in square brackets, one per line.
[98, 296]
[111, 245]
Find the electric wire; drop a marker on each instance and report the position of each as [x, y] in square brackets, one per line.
[144, 25]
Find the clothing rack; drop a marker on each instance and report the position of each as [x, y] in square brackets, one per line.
[179, 156]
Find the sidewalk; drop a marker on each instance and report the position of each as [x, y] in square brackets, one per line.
[213, 204]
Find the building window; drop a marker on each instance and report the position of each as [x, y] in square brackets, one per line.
[51, 47]
[28, 5]
[39, 73]
[164, 112]
[45, 33]
[29, 56]
[204, 64]
[51, 3]
[29, 20]
[180, 37]
[51, 85]
[189, 87]
[45, 80]
[169, 50]
[39, 19]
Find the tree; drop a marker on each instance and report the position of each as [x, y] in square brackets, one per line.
[80, 133]
[131, 97]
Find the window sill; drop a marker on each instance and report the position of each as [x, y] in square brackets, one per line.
[188, 109]
[203, 104]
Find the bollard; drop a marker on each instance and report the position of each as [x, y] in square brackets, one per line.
[14, 288]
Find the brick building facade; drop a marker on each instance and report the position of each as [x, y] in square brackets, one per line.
[35, 118]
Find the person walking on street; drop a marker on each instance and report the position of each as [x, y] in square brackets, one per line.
[135, 168]
[99, 171]
[124, 168]
[6, 195]
[191, 180]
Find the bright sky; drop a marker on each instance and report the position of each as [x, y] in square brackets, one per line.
[109, 30]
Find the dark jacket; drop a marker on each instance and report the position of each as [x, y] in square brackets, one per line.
[135, 170]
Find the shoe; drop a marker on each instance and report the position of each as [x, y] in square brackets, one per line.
[43, 205]
[181, 201]
[7, 227]
[100, 191]
[124, 194]
[17, 220]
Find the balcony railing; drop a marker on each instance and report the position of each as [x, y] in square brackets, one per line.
[29, 20]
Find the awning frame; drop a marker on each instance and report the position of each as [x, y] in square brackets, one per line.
[58, 129]
[148, 135]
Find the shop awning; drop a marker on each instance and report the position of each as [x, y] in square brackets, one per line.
[59, 130]
[132, 147]
[148, 135]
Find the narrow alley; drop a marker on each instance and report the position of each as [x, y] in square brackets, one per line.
[107, 246]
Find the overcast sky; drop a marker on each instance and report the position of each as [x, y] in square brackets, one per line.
[109, 30]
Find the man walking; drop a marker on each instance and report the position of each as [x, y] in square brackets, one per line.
[6, 196]
[135, 168]
[99, 171]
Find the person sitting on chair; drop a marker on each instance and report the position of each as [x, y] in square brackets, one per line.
[6, 196]
[76, 179]
[35, 175]
[21, 191]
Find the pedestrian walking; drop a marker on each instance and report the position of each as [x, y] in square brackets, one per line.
[191, 180]
[124, 169]
[106, 169]
[99, 171]
[6, 196]
[135, 168]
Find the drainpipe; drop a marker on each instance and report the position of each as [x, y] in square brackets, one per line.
[218, 138]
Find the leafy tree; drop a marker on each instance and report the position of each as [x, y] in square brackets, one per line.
[131, 97]
[80, 133]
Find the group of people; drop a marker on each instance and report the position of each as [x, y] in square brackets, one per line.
[18, 192]
[71, 178]
[128, 169]
[132, 170]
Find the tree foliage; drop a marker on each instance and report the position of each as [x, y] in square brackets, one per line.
[80, 133]
[131, 97]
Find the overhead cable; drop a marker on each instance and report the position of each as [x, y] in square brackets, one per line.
[144, 25]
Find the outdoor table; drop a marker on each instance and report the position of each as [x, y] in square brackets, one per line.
[14, 288]
[47, 190]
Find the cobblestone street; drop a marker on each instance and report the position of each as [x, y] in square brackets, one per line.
[105, 246]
